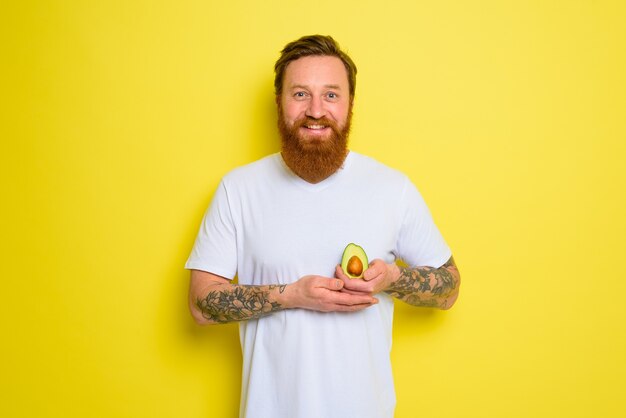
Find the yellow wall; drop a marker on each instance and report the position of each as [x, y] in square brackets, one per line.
[120, 117]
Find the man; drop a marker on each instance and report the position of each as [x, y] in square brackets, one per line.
[316, 343]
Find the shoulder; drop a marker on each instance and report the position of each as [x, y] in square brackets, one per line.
[254, 171]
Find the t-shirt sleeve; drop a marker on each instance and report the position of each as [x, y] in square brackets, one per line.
[215, 248]
[419, 242]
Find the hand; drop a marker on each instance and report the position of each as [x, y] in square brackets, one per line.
[324, 294]
[376, 278]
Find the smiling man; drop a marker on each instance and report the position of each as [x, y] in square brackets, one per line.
[316, 343]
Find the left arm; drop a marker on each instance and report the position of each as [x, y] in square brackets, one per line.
[427, 286]
[417, 286]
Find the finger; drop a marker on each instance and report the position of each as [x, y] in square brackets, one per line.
[357, 285]
[353, 308]
[350, 308]
[355, 292]
[375, 269]
[347, 299]
[327, 283]
[340, 274]
[371, 274]
[372, 271]
[348, 283]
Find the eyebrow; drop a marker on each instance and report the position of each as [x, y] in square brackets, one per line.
[328, 86]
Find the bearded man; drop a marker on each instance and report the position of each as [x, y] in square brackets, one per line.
[315, 342]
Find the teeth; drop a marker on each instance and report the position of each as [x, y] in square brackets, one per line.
[315, 126]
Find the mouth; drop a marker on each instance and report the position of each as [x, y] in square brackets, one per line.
[315, 128]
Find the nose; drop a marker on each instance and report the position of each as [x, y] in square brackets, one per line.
[315, 109]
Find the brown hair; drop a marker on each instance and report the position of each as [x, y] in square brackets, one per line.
[308, 46]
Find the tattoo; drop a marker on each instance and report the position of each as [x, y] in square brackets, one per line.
[427, 286]
[239, 303]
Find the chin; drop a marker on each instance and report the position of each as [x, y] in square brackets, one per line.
[309, 142]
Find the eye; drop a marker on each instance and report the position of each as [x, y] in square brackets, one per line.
[332, 95]
[299, 94]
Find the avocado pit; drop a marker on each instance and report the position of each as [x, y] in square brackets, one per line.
[355, 266]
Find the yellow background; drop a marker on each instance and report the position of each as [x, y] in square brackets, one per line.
[119, 118]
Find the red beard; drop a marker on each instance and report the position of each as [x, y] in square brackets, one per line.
[313, 159]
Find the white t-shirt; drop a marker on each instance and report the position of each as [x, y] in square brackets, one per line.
[268, 226]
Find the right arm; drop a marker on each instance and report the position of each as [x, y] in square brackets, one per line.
[214, 299]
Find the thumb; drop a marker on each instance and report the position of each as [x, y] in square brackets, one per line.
[332, 284]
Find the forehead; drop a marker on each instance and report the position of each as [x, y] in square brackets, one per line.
[316, 71]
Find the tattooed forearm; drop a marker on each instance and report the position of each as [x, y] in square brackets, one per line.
[427, 286]
[239, 303]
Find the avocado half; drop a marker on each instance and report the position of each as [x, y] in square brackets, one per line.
[354, 261]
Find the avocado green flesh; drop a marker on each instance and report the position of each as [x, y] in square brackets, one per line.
[353, 250]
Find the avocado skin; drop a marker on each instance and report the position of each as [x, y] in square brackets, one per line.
[350, 251]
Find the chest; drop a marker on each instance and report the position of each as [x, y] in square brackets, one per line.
[299, 233]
